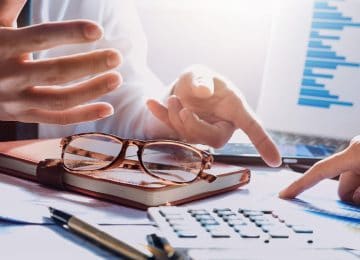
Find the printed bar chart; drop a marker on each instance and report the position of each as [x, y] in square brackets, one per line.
[322, 59]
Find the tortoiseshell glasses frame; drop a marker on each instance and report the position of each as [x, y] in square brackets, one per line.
[186, 164]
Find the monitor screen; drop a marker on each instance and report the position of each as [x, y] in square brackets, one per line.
[312, 77]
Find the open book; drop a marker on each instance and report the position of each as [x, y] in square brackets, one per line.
[124, 186]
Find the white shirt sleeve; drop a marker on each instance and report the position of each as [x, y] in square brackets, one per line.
[123, 31]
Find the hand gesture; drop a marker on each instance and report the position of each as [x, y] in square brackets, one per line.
[346, 164]
[30, 91]
[206, 108]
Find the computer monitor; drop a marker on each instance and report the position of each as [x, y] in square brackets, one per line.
[312, 78]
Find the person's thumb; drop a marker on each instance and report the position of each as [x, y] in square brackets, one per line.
[9, 12]
[202, 81]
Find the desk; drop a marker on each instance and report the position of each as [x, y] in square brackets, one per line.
[39, 242]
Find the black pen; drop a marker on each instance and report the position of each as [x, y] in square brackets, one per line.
[93, 233]
[163, 245]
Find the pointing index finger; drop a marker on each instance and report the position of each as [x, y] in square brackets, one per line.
[327, 168]
[259, 137]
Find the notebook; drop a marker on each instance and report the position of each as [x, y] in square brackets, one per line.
[124, 186]
[310, 90]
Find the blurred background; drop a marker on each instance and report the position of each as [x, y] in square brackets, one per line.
[230, 36]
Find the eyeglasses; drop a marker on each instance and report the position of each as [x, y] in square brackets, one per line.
[171, 161]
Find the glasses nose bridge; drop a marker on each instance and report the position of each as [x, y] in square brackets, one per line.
[126, 144]
[139, 144]
[122, 154]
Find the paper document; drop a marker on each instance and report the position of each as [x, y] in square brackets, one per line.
[27, 202]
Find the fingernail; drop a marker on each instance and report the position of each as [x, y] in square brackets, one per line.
[92, 32]
[184, 113]
[106, 112]
[174, 102]
[282, 194]
[356, 197]
[286, 193]
[112, 59]
[113, 82]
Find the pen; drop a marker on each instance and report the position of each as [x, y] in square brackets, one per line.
[93, 233]
[162, 244]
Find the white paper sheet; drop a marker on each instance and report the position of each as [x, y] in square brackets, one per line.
[26, 201]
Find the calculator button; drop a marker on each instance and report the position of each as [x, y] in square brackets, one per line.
[232, 217]
[267, 227]
[254, 218]
[211, 227]
[241, 210]
[177, 222]
[278, 232]
[248, 213]
[208, 222]
[186, 234]
[182, 229]
[198, 211]
[265, 211]
[281, 219]
[237, 228]
[226, 213]
[265, 222]
[217, 210]
[249, 232]
[275, 215]
[302, 229]
[204, 217]
[236, 222]
[175, 217]
[291, 224]
[219, 233]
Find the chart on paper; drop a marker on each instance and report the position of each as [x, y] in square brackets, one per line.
[312, 75]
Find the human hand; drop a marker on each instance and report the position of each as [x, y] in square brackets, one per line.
[345, 163]
[206, 108]
[30, 91]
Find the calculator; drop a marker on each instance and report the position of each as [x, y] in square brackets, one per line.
[189, 227]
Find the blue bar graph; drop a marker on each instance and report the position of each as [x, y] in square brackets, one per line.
[322, 60]
[310, 73]
[323, 64]
[330, 16]
[316, 35]
[323, 6]
[318, 44]
[333, 25]
[322, 103]
[317, 93]
[311, 83]
[324, 54]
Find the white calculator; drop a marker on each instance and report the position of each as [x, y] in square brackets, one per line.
[188, 227]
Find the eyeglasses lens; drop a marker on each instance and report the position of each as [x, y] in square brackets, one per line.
[91, 152]
[171, 162]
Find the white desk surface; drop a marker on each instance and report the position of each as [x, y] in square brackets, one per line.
[39, 241]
